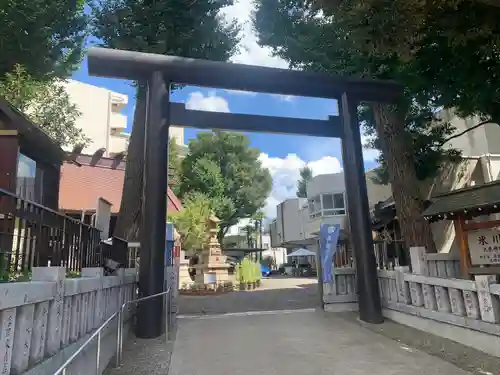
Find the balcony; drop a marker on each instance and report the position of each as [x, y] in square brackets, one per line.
[311, 226]
[117, 144]
[117, 123]
[118, 101]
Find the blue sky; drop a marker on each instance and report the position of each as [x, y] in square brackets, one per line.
[282, 154]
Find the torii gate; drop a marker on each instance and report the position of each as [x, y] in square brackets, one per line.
[160, 71]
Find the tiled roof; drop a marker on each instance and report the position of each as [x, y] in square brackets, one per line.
[475, 201]
[81, 186]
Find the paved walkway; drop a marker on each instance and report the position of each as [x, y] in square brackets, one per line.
[232, 334]
[294, 343]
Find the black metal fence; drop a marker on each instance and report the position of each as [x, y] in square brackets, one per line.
[34, 235]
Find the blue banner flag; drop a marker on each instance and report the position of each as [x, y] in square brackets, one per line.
[328, 239]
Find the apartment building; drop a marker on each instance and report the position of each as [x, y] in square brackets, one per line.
[101, 119]
[298, 220]
[104, 123]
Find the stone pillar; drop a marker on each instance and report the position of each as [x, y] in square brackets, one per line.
[418, 257]
[7, 329]
[99, 302]
[488, 305]
[55, 308]
[403, 289]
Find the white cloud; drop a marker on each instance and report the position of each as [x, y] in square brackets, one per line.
[369, 154]
[250, 52]
[286, 98]
[285, 174]
[240, 92]
[211, 102]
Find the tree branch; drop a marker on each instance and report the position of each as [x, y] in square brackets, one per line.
[465, 131]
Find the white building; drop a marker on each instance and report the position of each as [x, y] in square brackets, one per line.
[102, 121]
[298, 220]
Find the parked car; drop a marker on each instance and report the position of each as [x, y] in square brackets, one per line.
[265, 270]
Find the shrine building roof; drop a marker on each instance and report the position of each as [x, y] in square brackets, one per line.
[468, 202]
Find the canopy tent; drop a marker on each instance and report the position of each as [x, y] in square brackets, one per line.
[302, 253]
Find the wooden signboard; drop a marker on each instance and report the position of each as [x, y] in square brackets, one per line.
[484, 246]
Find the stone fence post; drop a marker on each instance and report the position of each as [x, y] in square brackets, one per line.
[488, 305]
[418, 258]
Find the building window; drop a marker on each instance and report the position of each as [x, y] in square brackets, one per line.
[26, 186]
[338, 201]
[328, 202]
[327, 205]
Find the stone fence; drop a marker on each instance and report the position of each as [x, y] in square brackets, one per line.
[44, 321]
[443, 265]
[341, 295]
[465, 311]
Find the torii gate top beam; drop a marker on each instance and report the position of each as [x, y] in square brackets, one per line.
[136, 65]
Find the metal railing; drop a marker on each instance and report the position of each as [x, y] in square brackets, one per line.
[119, 336]
[35, 235]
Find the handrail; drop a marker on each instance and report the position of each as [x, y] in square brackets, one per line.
[63, 368]
[119, 336]
[119, 343]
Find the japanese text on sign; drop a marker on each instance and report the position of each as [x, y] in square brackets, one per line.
[484, 246]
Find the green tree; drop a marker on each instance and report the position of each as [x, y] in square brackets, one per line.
[192, 222]
[308, 39]
[446, 53]
[306, 175]
[258, 219]
[224, 167]
[190, 29]
[46, 37]
[174, 166]
[46, 103]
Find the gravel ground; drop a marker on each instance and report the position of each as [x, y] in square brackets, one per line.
[144, 357]
[464, 357]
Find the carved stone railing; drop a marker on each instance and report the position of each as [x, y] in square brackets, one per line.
[472, 305]
[45, 320]
[443, 265]
[341, 295]
[450, 300]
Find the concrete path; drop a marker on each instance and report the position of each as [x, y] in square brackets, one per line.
[276, 293]
[293, 343]
[232, 334]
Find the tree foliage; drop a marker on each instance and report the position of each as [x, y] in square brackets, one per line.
[329, 41]
[174, 165]
[189, 29]
[426, 133]
[447, 51]
[306, 175]
[224, 167]
[46, 37]
[192, 221]
[46, 103]
[300, 34]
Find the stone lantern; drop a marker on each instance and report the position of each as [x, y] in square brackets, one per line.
[213, 262]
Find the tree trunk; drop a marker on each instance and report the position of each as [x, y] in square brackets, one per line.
[397, 149]
[129, 217]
